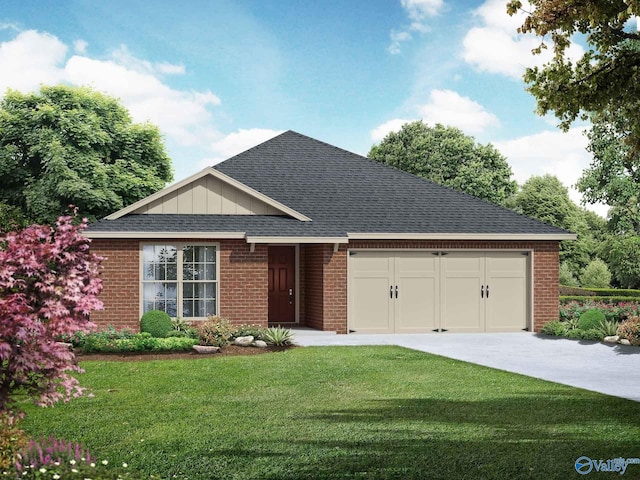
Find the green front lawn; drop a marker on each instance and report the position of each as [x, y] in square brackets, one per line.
[339, 412]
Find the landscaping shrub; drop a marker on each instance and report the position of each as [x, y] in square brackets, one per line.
[608, 328]
[592, 334]
[182, 328]
[591, 319]
[215, 331]
[556, 328]
[157, 323]
[598, 298]
[12, 440]
[617, 312]
[595, 274]
[630, 329]
[575, 291]
[112, 341]
[51, 458]
[256, 331]
[278, 336]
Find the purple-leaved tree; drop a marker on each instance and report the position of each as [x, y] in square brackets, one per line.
[49, 284]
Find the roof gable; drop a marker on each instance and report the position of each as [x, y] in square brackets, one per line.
[208, 192]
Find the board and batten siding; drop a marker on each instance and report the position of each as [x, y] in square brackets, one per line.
[209, 195]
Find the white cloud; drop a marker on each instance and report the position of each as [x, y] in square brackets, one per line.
[551, 152]
[238, 142]
[450, 108]
[417, 12]
[80, 46]
[170, 69]
[33, 58]
[383, 130]
[496, 47]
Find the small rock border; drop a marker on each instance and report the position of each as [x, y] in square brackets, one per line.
[616, 339]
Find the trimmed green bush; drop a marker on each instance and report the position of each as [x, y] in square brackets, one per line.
[591, 319]
[603, 299]
[157, 323]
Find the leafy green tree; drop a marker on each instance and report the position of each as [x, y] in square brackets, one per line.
[447, 156]
[614, 174]
[596, 274]
[605, 79]
[69, 145]
[547, 199]
[622, 253]
[566, 276]
[11, 218]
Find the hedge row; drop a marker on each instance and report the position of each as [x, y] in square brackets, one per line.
[597, 292]
[597, 298]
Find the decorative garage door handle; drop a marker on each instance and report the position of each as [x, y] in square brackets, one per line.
[390, 291]
[487, 291]
[481, 291]
[291, 296]
[396, 291]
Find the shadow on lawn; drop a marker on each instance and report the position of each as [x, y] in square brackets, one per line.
[518, 437]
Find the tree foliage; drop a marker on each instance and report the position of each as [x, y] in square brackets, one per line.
[547, 199]
[614, 175]
[48, 286]
[447, 156]
[69, 145]
[596, 274]
[622, 253]
[605, 79]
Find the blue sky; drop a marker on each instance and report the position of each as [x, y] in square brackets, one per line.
[220, 76]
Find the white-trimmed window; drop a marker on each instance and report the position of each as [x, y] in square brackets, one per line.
[180, 279]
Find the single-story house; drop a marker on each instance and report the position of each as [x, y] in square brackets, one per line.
[297, 232]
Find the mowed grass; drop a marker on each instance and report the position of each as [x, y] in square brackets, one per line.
[339, 412]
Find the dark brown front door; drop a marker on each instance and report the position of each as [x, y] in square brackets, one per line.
[282, 267]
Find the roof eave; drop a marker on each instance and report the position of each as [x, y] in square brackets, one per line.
[461, 236]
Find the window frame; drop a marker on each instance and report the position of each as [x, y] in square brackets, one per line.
[179, 274]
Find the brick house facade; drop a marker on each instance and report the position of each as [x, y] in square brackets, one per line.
[283, 221]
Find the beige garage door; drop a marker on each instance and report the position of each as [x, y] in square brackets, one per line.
[429, 291]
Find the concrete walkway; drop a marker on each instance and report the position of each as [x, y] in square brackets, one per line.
[610, 369]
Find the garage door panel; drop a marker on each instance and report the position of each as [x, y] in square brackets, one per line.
[417, 305]
[507, 303]
[461, 305]
[372, 307]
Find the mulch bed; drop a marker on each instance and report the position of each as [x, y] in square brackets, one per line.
[228, 351]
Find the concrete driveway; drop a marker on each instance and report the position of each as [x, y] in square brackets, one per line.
[610, 369]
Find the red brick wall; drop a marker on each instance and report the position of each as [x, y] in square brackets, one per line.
[313, 285]
[121, 283]
[325, 286]
[243, 282]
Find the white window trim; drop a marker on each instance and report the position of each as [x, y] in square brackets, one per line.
[179, 246]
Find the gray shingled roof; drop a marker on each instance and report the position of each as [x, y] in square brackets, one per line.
[342, 193]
